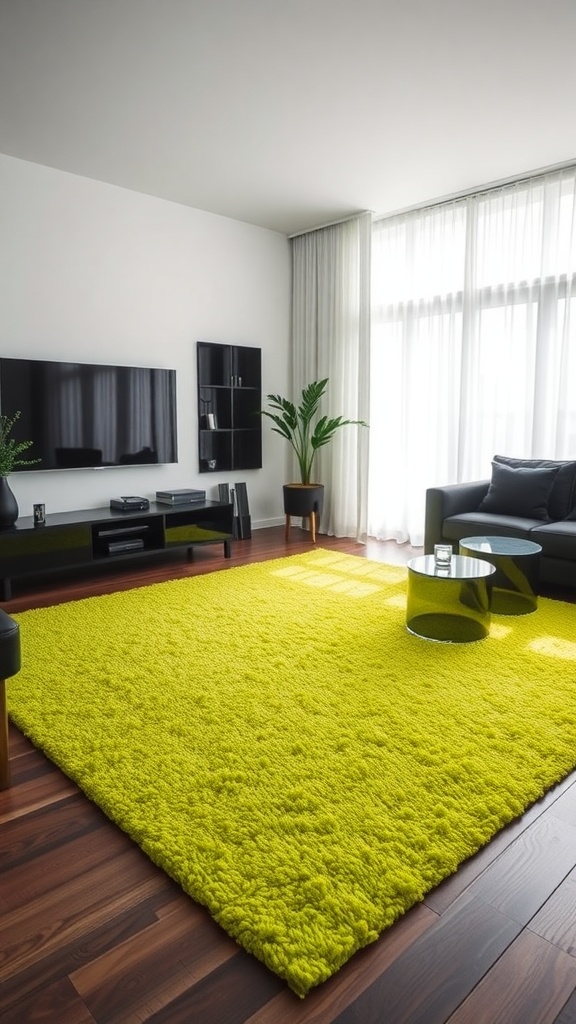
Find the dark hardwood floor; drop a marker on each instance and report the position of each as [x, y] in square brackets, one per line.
[92, 933]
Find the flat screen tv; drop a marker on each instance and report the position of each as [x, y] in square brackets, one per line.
[87, 415]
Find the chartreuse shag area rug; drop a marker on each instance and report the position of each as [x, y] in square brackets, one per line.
[274, 739]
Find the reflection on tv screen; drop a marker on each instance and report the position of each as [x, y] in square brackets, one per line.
[84, 415]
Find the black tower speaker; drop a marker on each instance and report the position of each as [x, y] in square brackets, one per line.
[242, 524]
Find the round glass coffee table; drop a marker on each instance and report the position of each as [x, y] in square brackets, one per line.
[450, 605]
[515, 585]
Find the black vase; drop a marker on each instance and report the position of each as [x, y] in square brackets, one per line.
[8, 505]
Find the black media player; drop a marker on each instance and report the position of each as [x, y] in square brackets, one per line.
[130, 503]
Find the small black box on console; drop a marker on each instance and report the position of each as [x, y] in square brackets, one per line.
[130, 503]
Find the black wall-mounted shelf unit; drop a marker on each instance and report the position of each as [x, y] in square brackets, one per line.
[229, 402]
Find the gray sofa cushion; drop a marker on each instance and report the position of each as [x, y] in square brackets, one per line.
[562, 500]
[558, 540]
[519, 491]
[474, 524]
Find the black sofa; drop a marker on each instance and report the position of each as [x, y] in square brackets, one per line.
[527, 498]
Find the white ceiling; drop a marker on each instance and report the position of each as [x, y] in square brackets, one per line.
[290, 113]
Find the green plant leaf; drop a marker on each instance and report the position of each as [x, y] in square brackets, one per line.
[299, 426]
[10, 449]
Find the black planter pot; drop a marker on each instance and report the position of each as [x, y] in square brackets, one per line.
[305, 501]
[8, 505]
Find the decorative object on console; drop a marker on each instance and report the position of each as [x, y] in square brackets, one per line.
[8, 505]
[39, 511]
[10, 452]
[306, 431]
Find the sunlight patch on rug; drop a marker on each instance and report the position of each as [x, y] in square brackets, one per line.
[275, 740]
[327, 581]
[554, 647]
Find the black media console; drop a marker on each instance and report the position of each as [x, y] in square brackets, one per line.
[95, 535]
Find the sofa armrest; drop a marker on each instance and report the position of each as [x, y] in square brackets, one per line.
[449, 500]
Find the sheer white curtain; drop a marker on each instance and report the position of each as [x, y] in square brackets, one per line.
[331, 338]
[473, 348]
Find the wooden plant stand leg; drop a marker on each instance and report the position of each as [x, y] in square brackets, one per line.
[312, 518]
[4, 752]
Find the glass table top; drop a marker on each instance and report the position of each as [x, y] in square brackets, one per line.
[461, 567]
[501, 545]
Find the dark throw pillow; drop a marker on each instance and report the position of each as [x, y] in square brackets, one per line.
[518, 491]
[563, 494]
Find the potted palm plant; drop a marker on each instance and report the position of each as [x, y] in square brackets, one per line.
[10, 456]
[306, 431]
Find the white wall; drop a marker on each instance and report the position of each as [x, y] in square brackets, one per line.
[94, 273]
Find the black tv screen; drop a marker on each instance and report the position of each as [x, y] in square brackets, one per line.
[87, 415]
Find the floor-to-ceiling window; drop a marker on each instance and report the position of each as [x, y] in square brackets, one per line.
[473, 347]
